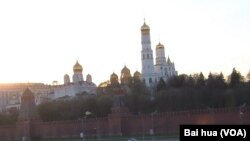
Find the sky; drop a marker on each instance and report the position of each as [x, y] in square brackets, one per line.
[40, 41]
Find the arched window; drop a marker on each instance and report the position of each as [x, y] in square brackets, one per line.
[147, 56]
[150, 80]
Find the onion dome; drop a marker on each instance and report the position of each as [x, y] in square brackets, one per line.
[114, 79]
[125, 70]
[66, 76]
[114, 76]
[159, 46]
[77, 67]
[89, 78]
[66, 79]
[137, 74]
[145, 26]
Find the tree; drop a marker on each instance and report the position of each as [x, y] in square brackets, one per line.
[190, 81]
[235, 78]
[216, 81]
[210, 80]
[178, 81]
[221, 81]
[248, 77]
[7, 118]
[161, 85]
[138, 100]
[200, 81]
[104, 104]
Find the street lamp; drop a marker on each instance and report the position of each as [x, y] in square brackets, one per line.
[87, 113]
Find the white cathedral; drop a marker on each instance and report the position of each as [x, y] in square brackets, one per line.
[77, 86]
[151, 73]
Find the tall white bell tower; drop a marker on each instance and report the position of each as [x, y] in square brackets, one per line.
[147, 56]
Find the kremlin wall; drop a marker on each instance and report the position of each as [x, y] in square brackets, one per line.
[118, 123]
[123, 124]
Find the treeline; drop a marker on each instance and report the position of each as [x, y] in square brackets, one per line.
[80, 106]
[7, 118]
[185, 92]
[189, 92]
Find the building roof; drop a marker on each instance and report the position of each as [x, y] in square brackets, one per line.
[27, 92]
[159, 46]
[113, 75]
[125, 70]
[137, 73]
[145, 26]
[77, 67]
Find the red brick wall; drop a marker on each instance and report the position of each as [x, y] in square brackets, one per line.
[125, 124]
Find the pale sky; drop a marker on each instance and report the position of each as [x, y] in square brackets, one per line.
[40, 41]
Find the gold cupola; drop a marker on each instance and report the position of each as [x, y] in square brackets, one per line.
[145, 26]
[77, 67]
[125, 70]
[159, 46]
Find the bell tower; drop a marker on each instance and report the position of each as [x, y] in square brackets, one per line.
[146, 56]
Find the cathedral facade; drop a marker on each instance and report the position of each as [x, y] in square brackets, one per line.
[151, 72]
[77, 86]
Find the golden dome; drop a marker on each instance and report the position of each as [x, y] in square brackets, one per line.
[145, 27]
[114, 76]
[137, 74]
[77, 67]
[159, 46]
[125, 70]
[66, 75]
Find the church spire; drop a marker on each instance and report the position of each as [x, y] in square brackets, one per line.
[168, 61]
